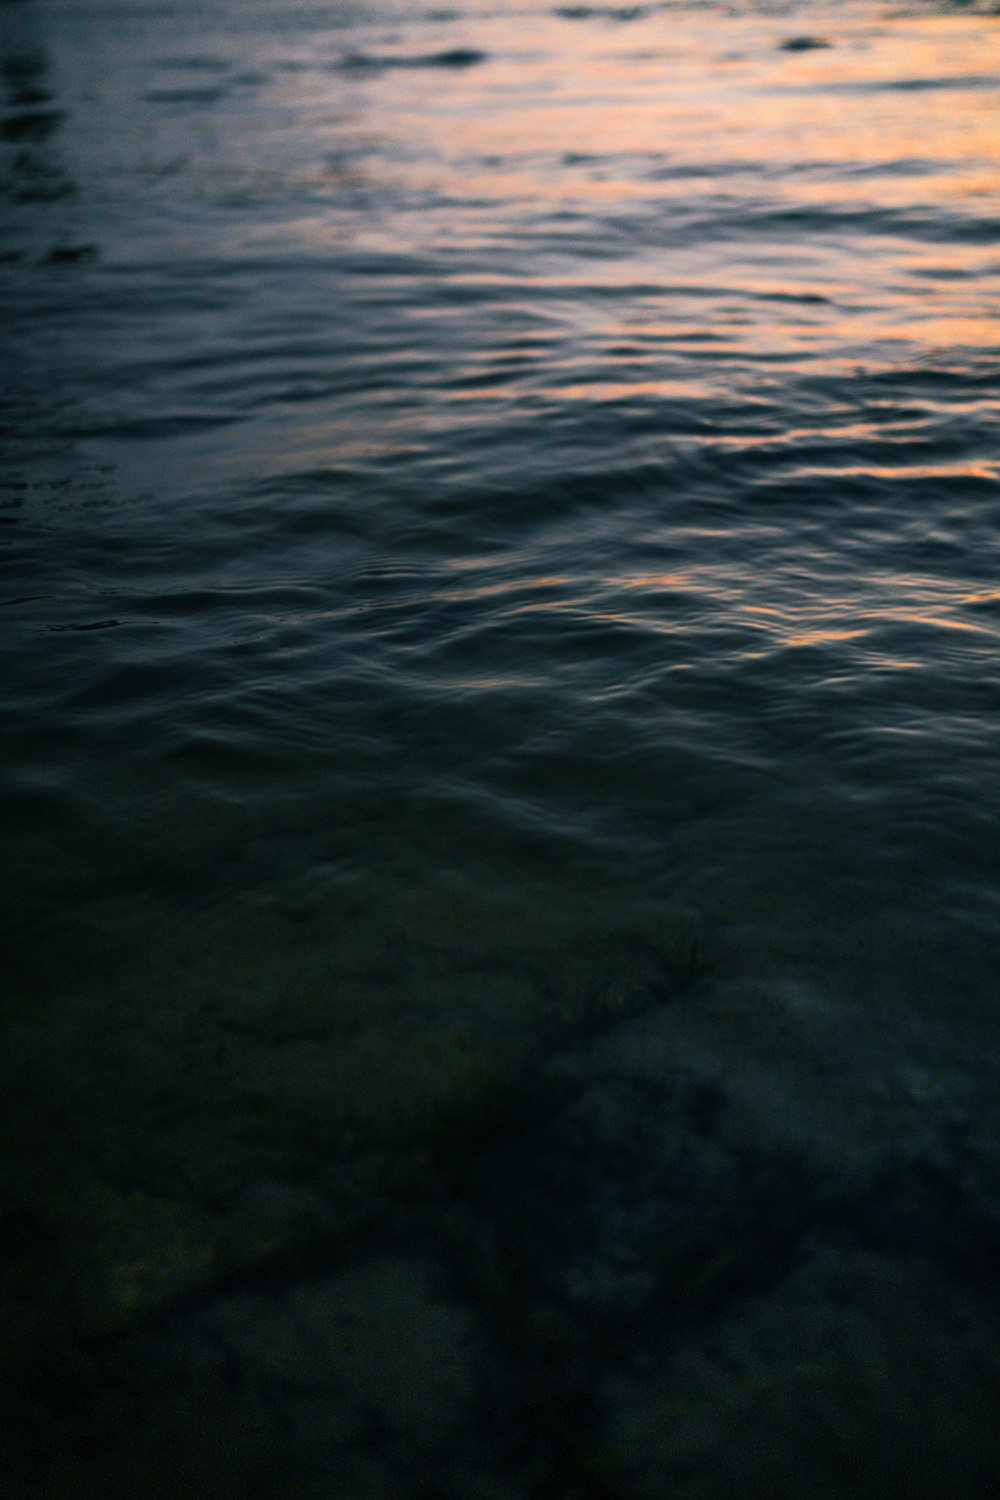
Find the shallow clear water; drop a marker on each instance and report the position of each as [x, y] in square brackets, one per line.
[500, 532]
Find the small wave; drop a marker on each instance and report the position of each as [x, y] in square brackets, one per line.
[453, 57]
[85, 625]
[804, 44]
[193, 64]
[954, 83]
[169, 424]
[622, 13]
[32, 125]
[209, 94]
[932, 222]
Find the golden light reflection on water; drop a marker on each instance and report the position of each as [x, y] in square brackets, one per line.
[643, 211]
[880, 611]
[665, 86]
[634, 134]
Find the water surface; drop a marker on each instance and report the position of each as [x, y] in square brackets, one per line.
[500, 553]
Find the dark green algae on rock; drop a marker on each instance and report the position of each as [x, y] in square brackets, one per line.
[630, 1223]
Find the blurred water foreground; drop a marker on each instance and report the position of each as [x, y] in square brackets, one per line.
[621, 1244]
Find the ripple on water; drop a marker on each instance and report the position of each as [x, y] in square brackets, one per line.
[500, 887]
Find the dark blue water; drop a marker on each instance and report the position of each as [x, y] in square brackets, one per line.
[500, 551]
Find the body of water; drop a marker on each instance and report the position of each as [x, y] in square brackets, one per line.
[500, 550]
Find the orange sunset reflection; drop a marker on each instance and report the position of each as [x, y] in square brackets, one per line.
[626, 127]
